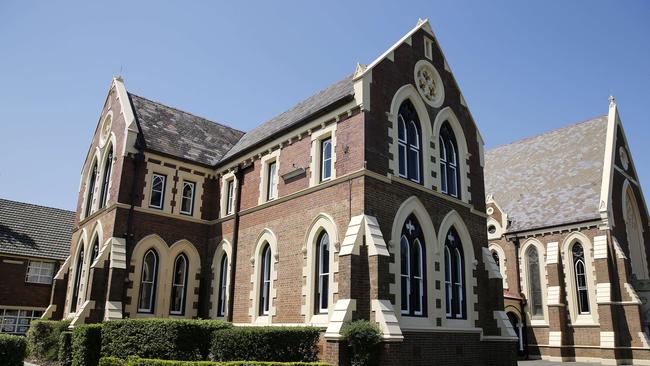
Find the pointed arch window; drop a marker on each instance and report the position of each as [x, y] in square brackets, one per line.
[582, 290]
[108, 167]
[148, 281]
[449, 173]
[454, 276]
[77, 280]
[322, 272]
[412, 268]
[95, 251]
[265, 281]
[179, 285]
[495, 256]
[408, 142]
[223, 286]
[534, 282]
[90, 195]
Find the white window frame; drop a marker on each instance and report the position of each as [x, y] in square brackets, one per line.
[266, 180]
[316, 151]
[191, 197]
[10, 321]
[407, 275]
[265, 280]
[324, 160]
[182, 287]
[271, 180]
[161, 204]
[323, 276]
[153, 282]
[223, 286]
[230, 197]
[227, 199]
[38, 266]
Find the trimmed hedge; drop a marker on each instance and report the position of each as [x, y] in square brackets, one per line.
[12, 350]
[113, 361]
[86, 345]
[167, 339]
[279, 344]
[43, 339]
[65, 349]
[362, 336]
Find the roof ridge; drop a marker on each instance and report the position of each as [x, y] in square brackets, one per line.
[186, 112]
[37, 205]
[528, 138]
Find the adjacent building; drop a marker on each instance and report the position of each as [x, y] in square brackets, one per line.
[568, 230]
[34, 242]
[365, 200]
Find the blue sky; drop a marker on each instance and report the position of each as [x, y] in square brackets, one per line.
[524, 67]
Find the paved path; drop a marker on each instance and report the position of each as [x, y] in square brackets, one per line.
[549, 363]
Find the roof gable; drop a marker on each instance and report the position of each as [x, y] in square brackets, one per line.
[551, 179]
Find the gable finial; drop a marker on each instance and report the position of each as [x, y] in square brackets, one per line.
[612, 101]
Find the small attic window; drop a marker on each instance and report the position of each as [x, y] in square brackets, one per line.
[428, 48]
[492, 229]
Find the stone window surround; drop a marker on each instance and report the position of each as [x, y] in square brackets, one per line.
[266, 236]
[543, 280]
[169, 185]
[265, 161]
[223, 204]
[99, 158]
[224, 248]
[198, 181]
[315, 154]
[503, 261]
[85, 285]
[570, 279]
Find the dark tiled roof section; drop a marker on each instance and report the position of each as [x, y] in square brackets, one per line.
[317, 102]
[35, 231]
[551, 179]
[180, 134]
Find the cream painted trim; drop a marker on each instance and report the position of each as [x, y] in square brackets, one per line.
[223, 200]
[409, 92]
[272, 157]
[131, 129]
[569, 279]
[82, 242]
[499, 229]
[438, 84]
[60, 274]
[342, 313]
[413, 205]
[608, 172]
[387, 320]
[224, 248]
[322, 222]
[316, 151]
[266, 236]
[166, 257]
[448, 115]
[636, 248]
[169, 185]
[554, 229]
[503, 262]
[197, 203]
[111, 145]
[543, 280]
[94, 203]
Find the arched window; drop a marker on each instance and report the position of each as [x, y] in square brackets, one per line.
[412, 268]
[495, 256]
[408, 142]
[148, 282]
[223, 286]
[91, 190]
[454, 276]
[77, 280]
[322, 272]
[534, 282]
[179, 284]
[582, 291]
[95, 251]
[108, 167]
[265, 281]
[449, 172]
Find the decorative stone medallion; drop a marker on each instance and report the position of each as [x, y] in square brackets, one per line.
[490, 211]
[625, 160]
[106, 129]
[429, 83]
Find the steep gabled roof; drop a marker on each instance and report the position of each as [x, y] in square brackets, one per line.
[35, 231]
[181, 134]
[308, 107]
[551, 179]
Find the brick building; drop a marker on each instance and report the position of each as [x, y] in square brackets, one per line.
[567, 228]
[34, 242]
[365, 200]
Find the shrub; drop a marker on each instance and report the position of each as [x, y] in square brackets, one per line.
[281, 344]
[167, 339]
[12, 350]
[86, 345]
[362, 336]
[113, 361]
[65, 349]
[43, 339]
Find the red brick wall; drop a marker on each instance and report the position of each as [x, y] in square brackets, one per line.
[14, 291]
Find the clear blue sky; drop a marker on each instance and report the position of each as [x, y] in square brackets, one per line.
[524, 69]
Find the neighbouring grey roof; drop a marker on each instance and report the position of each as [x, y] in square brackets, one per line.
[35, 231]
[333, 93]
[180, 134]
[551, 179]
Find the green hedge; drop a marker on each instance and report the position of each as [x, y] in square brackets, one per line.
[86, 345]
[43, 339]
[114, 361]
[65, 349]
[160, 338]
[279, 344]
[362, 336]
[12, 350]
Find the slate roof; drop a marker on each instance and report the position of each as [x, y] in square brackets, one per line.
[177, 133]
[35, 231]
[551, 179]
[335, 92]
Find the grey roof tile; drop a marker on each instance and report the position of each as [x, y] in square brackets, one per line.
[333, 93]
[35, 231]
[551, 179]
[177, 133]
